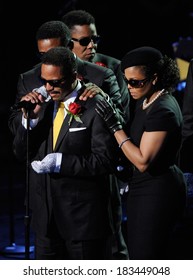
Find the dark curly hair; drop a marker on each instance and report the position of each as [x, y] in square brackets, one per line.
[62, 57]
[167, 72]
[78, 17]
[54, 29]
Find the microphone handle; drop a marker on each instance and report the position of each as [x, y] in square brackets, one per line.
[24, 104]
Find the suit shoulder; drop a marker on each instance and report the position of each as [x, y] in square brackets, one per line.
[106, 58]
[108, 61]
[33, 71]
[98, 69]
[91, 102]
[95, 66]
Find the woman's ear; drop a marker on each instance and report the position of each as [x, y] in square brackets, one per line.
[154, 79]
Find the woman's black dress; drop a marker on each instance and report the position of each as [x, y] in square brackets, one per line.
[156, 198]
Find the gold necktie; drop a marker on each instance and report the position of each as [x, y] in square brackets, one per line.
[58, 122]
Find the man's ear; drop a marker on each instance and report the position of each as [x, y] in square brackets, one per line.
[71, 44]
[75, 75]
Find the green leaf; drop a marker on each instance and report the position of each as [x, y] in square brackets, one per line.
[71, 117]
[77, 118]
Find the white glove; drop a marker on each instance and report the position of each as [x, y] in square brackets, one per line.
[51, 163]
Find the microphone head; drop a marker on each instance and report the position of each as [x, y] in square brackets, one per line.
[42, 90]
[27, 104]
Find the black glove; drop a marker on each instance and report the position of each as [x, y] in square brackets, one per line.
[109, 114]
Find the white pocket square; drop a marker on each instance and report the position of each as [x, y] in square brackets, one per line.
[73, 129]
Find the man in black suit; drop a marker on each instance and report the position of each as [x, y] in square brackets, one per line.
[69, 184]
[55, 33]
[85, 44]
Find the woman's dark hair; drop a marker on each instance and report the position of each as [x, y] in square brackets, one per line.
[167, 73]
[151, 61]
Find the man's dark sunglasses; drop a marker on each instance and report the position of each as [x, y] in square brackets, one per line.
[86, 40]
[137, 83]
[53, 83]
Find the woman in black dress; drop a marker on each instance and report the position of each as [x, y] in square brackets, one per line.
[157, 188]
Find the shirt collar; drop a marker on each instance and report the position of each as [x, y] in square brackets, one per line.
[72, 96]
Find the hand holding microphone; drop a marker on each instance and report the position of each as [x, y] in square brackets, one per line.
[30, 100]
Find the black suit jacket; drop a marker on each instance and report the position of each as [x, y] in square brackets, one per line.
[185, 156]
[101, 76]
[77, 197]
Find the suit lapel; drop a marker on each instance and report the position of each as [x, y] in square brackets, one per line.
[65, 125]
[82, 73]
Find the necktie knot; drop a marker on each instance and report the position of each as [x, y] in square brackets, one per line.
[61, 105]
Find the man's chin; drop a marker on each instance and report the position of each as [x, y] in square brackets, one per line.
[55, 96]
[89, 57]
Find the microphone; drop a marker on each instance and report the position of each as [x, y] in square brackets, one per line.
[24, 104]
[28, 105]
[42, 90]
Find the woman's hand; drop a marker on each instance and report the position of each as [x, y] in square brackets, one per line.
[109, 114]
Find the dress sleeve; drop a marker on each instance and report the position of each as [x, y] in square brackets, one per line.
[162, 118]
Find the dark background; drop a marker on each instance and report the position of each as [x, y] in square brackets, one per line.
[123, 25]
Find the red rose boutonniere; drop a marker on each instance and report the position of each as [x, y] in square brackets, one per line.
[74, 110]
[101, 64]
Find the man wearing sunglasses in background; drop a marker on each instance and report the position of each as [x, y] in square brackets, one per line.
[84, 35]
[55, 33]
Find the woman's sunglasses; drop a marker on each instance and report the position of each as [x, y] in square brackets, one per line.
[137, 83]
